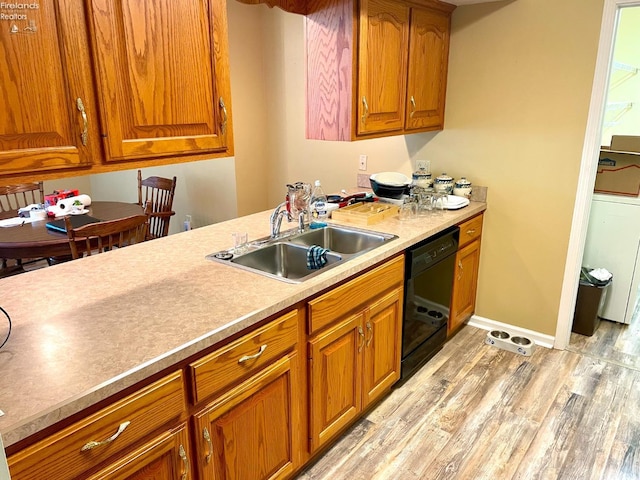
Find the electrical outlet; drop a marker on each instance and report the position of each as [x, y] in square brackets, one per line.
[423, 164]
[362, 163]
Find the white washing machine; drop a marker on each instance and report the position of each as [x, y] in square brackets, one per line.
[613, 242]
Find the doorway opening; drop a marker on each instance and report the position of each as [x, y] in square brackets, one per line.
[591, 151]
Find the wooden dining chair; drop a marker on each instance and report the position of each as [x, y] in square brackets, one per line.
[104, 236]
[13, 197]
[157, 192]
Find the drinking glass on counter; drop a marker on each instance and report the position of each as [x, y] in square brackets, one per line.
[408, 209]
[425, 203]
[240, 242]
[440, 202]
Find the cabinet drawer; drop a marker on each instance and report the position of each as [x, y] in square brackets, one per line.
[244, 356]
[345, 298]
[81, 446]
[470, 230]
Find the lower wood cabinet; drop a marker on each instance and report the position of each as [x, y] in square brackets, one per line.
[116, 440]
[356, 359]
[250, 431]
[165, 457]
[248, 398]
[352, 364]
[463, 298]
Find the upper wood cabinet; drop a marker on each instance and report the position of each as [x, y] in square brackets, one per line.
[158, 92]
[48, 119]
[384, 41]
[427, 70]
[162, 76]
[376, 67]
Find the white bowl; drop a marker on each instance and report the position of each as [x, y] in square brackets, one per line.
[393, 179]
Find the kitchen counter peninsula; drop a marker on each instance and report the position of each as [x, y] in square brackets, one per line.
[90, 328]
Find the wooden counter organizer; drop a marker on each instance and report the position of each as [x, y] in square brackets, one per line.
[364, 213]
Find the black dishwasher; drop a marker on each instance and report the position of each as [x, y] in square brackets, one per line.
[429, 271]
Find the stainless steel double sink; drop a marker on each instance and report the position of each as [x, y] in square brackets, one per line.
[285, 257]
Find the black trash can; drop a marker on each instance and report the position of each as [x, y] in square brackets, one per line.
[591, 297]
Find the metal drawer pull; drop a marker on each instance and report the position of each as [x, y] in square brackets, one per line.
[370, 329]
[361, 333]
[185, 461]
[366, 109]
[471, 231]
[413, 107]
[207, 437]
[93, 444]
[223, 124]
[255, 355]
[85, 131]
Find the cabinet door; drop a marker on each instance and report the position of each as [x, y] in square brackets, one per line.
[164, 458]
[162, 75]
[382, 66]
[335, 379]
[44, 79]
[250, 432]
[428, 60]
[463, 299]
[383, 340]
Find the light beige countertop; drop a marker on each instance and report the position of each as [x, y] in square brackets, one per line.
[89, 328]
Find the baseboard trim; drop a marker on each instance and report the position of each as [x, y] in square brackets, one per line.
[488, 324]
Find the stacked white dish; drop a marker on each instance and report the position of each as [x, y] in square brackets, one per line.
[454, 202]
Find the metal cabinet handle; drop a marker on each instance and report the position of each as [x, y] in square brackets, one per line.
[471, 231]
[255, 355]
[185, 461]
[93, 444]
[370, 330]
[413, 106]
[207, 437]
[223, 123]
[84, 135]
[461, 268]
[361, 333]
[366, 109]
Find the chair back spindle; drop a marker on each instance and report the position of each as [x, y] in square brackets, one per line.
[104, 236]
[157, 192]
[13, 197]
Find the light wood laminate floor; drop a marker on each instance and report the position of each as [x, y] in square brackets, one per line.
[478, 412]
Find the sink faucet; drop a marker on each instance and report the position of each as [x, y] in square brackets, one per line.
[301, 219]
[276, 219]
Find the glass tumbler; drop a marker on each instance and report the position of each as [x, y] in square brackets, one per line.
[408, 210]
[440, 200]
[425, 203]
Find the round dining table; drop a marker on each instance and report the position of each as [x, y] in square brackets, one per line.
[35, 240]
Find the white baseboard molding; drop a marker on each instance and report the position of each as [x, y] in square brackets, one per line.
[488, 324]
